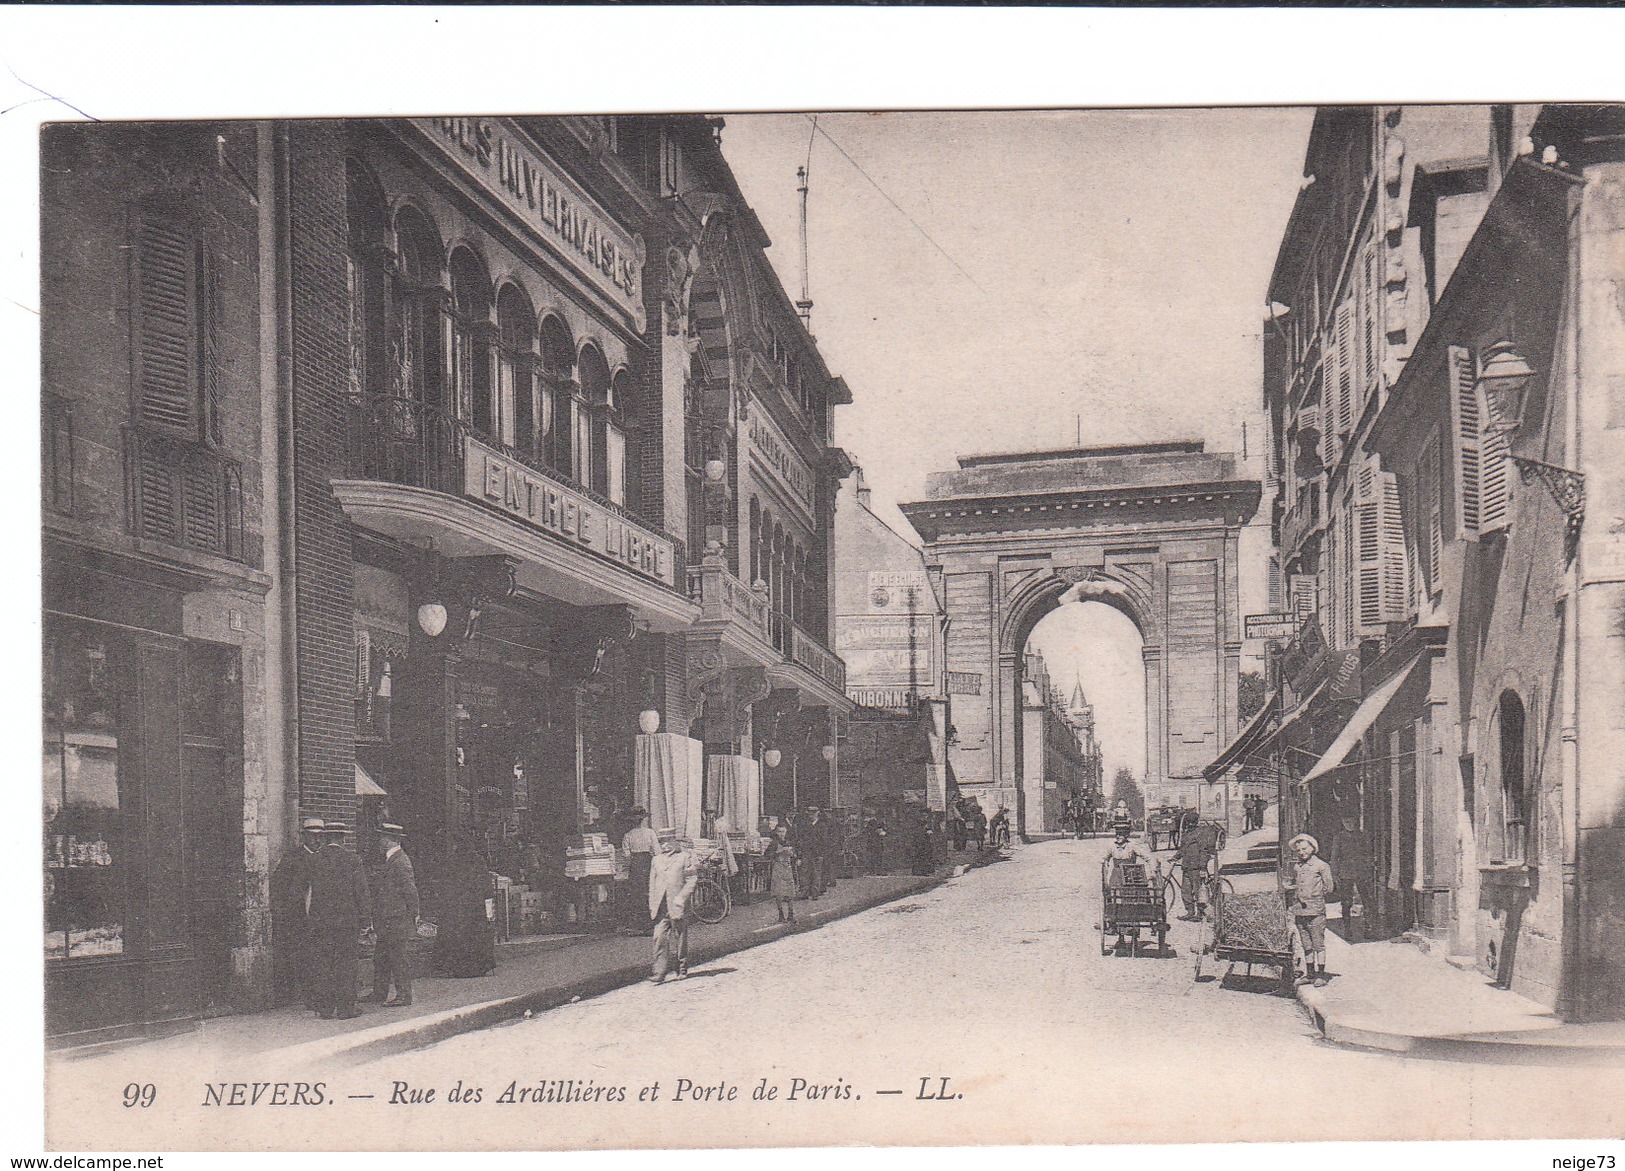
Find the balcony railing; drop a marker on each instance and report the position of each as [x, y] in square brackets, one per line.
[182, 493]
[404, 441]
[806, 651]
[722, 597]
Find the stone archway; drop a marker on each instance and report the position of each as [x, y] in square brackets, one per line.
[1151, 529]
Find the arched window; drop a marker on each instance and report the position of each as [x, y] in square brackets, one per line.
[471, 345]
[557, 390]
[588, 441]
[516, 364]
[621, 437]
[1517, 807]
[414, 346]
[367, 258]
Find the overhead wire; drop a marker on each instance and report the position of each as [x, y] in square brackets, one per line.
[946, 255]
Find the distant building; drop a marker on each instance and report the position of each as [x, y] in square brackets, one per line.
[888, 625]
[1062, 755]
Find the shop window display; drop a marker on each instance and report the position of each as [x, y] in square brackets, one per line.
[85, 869]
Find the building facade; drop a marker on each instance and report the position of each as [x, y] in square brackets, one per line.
[1435, 702]
[161, 691]
[412, 469]
[889, 631]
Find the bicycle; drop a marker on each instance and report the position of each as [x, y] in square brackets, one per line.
[711, 902]
[1207, 887]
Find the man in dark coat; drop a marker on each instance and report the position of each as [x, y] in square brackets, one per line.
[340, 909]
[395, 914]
[290, 894]
[810, 839]
[1198, 844]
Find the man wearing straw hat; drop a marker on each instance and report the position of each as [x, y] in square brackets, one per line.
[396, 915]
[1311, 887]
[674, 874]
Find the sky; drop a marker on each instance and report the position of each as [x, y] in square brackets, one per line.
[1013, 280]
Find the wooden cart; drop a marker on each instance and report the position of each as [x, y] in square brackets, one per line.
[1136, 902]
[1247, 923]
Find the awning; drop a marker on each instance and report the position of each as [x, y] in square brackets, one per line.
[1246, 739]
[365, 786]
[1365, 715]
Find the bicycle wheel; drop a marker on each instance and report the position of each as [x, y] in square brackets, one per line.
[709, 902]
[1174, 890]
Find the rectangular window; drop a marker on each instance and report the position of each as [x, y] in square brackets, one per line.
[616, 469]
[86, 873]
[580, 442]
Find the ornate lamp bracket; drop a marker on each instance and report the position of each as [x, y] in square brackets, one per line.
[1567, 488]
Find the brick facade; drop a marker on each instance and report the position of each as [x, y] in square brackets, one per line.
[322, 588]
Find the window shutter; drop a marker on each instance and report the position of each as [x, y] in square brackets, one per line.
[166, 315]
[1370, 327]
[1396, 562]
[1429, 535]
[1305, 597]
[214, 354]
[1494, 484]
[1346, 371]
[202, 509]
[1368, 561]
[1274, 585]
[158, 498]
[1328, 405]
[1465, 417]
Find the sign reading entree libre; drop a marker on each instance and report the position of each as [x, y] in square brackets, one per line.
[544, 504]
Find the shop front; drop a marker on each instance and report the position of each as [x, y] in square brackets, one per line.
[142, 755]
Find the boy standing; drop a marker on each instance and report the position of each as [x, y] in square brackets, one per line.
[1311, 887]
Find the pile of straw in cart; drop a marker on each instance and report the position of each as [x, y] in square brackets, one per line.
[1255, 921]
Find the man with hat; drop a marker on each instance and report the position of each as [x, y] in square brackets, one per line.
[290, 908]
[339, 910]
[396, 916]
[639, 845]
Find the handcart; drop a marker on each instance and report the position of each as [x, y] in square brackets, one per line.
[1135, 902]
[1246, 923]
[1162, 825]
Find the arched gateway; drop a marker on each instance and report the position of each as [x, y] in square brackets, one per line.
[1151, 529]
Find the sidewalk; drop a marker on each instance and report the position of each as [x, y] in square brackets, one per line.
[532, 975]
[1391, 995]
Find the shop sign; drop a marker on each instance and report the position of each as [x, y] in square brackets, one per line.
[774, 452]
[566, 514]
[1270, 625]
[964, 683]
[533, 186]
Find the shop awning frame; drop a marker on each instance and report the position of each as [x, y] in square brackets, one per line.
[1364, 716]
[1252, 733]
[365, 786]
